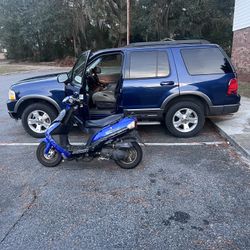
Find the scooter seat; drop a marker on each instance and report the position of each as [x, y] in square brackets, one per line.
[100, 123]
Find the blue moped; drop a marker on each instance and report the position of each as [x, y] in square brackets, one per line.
[111, 138]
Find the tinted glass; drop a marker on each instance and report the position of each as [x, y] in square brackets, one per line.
[163, 66]
[109, 64]
[148, 64]
[79, 67]
[205, 61]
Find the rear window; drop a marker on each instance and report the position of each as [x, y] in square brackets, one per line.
[205, 61]
[148, 64]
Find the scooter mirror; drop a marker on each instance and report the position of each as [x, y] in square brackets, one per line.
[62, 78]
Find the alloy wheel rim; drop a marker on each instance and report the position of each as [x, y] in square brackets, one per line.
[38, 121]
[51, 154]
[185, 120]
[132, 155]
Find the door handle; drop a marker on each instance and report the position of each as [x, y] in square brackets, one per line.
[167, 83]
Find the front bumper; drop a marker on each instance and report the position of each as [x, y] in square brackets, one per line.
[223, 109]
[11, 109]
[13, 115]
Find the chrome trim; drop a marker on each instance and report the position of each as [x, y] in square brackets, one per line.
[141, 123]
[147, 110]
[46, 98]
[151, 113]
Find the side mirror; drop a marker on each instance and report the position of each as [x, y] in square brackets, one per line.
[62, 78]
[98, 70]
[78, 79]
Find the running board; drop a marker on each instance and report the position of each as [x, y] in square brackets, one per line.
[148, 123]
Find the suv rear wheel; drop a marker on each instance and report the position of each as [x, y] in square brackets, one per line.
[185, 118]
[36, 118]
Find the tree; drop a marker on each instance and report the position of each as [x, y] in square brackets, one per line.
[50, 29]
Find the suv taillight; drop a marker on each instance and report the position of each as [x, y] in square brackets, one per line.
[232, 87]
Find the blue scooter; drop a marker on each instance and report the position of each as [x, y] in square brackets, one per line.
[111, 138]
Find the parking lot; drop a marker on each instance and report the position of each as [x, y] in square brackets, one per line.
[186, 194]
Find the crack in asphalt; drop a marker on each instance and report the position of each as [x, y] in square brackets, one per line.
[35, 196]
[21, 216]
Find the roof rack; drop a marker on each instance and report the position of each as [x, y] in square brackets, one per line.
[162, 43]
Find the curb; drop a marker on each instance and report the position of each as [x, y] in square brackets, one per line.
[232, 141]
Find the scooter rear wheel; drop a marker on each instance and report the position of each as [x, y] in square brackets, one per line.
[52, 159]
[134, 157]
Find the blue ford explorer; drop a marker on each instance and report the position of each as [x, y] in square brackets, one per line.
[178, 82]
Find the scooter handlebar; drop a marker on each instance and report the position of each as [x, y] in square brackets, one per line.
[73, 99]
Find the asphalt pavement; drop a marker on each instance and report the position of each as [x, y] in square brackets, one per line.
[186, 194]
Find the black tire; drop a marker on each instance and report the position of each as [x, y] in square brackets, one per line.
[51, 113]
[137, 151]
[198, 113]
[53, 162]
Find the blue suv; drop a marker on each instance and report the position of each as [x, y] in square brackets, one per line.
[178, 82]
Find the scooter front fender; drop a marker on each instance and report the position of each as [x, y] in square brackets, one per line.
[48, 145]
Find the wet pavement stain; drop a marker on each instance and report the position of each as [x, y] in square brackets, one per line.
[206, 222]
[197, 228]
[177, 183]
[178, 216]
[152, 175]
[166, 222]
[152, 181]
[181, 217]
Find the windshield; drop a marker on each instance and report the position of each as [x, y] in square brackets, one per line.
[79, 68]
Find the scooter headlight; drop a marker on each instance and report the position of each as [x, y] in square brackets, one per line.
[131, 125]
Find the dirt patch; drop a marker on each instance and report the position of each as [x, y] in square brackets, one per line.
[10, 68]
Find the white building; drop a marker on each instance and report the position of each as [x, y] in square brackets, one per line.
[241, 39]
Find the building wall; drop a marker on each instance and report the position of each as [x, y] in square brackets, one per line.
[241, 53]
[241, 14]
[241, 39]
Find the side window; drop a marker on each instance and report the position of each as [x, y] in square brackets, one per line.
[78, 69]
[205, 61]
[148, 64]
[109, 64]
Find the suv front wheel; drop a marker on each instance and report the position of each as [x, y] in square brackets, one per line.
[36, 118]
[185, 118]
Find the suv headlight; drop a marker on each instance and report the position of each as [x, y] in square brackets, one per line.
[12, 95]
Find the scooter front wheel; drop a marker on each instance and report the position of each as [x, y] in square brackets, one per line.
[133, 158]
[52, 159]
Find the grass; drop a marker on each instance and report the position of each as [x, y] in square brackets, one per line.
[244, 89]
[7, 68]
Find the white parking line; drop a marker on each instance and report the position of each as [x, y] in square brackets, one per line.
[146, 143]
